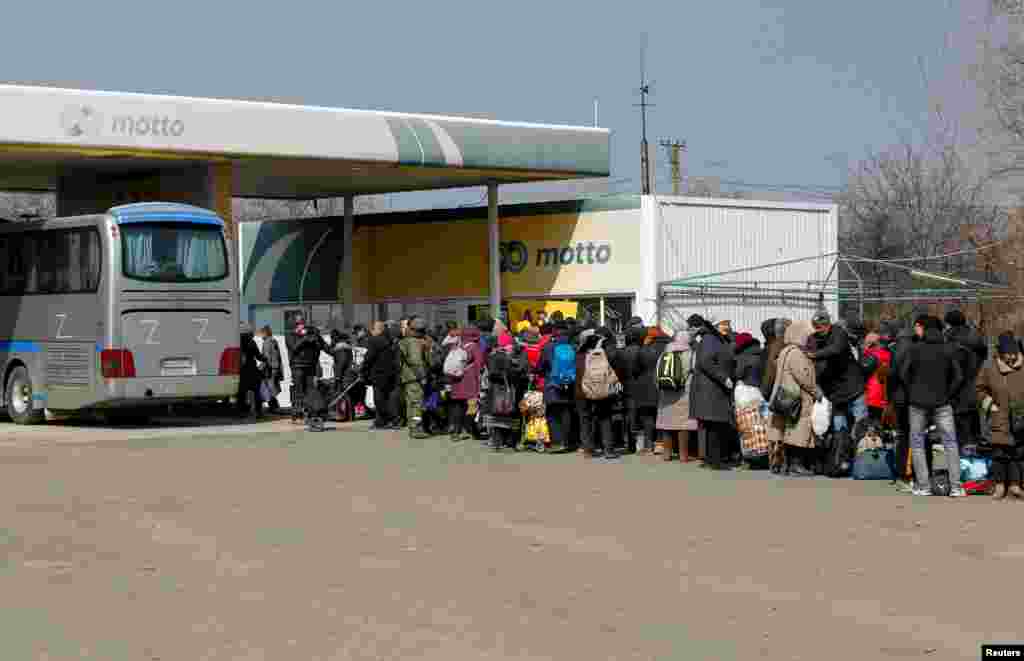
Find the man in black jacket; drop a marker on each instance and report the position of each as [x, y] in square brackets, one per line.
[304, 347]
[971, 351]
[627, 358]
[380, 370]
[932, 377]
[840, 377]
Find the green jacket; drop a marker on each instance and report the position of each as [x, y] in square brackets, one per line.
[413, 360]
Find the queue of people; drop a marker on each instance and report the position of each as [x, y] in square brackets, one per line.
[810, 398]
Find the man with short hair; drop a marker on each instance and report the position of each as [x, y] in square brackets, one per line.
[379, 371]
[840, 376]
[305, 346]
[932, 376]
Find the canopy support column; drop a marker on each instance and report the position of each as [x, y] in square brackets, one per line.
[494, 249]
[347, 264]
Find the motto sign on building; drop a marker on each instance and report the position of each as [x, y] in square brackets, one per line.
[515, 255]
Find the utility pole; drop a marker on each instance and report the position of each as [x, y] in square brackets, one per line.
[674, 148]
[645, 89]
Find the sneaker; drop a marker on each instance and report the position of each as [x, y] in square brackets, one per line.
[957, 492]
[904, 487]
[921, 491]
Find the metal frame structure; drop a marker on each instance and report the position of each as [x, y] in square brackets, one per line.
[900, 286]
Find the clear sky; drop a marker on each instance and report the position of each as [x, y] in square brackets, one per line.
[770, 91]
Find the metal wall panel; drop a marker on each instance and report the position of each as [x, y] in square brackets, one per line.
[741, 241]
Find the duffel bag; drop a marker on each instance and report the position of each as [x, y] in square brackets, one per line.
[873, 464]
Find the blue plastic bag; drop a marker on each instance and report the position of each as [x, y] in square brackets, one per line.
[873, 464]
[974, 468]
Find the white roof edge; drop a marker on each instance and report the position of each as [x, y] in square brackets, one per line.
[38, 89]
[680, 200]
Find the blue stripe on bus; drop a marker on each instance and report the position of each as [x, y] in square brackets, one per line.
[39, 397]
[196, 219]
[20, 346]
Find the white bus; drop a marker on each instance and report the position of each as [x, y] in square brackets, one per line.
[118, 312]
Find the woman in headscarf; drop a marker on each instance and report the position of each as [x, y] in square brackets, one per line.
[795, 377]
[711, 397]
[1001, 393]
[774, 332]
[674, 421]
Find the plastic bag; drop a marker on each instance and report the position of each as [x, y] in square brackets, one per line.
[369, 399]
[747, 396]
[974, 469]
[821, 416]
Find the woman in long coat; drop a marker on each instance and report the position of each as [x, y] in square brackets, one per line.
[711, 392]
[466, 391]
[1000, 390]
[645, 389]
[774, 331]
[674, 421]
[796, 373]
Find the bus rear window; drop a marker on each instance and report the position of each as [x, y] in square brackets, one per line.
[173, 252]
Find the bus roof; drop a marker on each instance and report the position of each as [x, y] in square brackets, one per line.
[163, 212]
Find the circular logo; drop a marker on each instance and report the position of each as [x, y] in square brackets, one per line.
[514, 256]
[80, 121]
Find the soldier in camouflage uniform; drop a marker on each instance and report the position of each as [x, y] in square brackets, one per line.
[414, 363]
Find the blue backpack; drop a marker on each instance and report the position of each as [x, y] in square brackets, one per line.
[563, 365]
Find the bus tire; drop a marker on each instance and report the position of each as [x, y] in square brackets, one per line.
[19, 399]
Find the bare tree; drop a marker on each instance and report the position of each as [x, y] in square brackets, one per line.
[911, 202]
[915, 200]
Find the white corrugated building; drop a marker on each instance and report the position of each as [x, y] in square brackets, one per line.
[742, 260]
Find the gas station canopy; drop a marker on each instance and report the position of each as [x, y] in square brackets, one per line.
[277, 150]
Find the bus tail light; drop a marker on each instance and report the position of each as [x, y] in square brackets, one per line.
[231, 362]
[117, 364]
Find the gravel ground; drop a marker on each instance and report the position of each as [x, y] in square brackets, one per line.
[228, 541]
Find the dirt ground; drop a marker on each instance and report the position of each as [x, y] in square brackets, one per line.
[229, 541]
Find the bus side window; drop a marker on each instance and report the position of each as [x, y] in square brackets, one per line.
[90, 262]
[29, 251]
[60, 243]
[5, 283]
[15, 266]
[46, 261]
[73, 255]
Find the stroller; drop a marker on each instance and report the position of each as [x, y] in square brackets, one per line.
[340, 394]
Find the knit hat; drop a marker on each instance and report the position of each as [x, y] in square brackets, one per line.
[956, 318]
[743, 340]
[695, 321]
[1008, 344]
[821, 318]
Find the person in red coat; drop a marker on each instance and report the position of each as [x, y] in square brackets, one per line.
[877, 361]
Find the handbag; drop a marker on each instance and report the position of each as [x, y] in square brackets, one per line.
[786, 402]
[503, 399]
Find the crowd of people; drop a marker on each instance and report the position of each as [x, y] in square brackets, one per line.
[805, 400]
